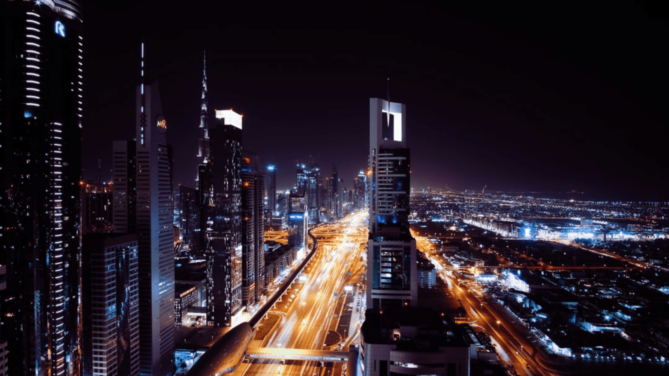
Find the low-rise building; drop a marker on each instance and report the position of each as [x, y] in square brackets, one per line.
[185, 296]
[278, 258]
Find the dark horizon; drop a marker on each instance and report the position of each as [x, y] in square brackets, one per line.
[515, 98]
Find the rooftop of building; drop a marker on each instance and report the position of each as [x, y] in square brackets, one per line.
[181, 289]
[107, 239]
[411, 328]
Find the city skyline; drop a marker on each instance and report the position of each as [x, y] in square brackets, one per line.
[327, 190]
[513, 105]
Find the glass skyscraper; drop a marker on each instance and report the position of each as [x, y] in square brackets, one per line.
[110, 303]
[41, 96]
[155, 233]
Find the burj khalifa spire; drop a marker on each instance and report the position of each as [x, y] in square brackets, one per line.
[203, 145]
[203, 151]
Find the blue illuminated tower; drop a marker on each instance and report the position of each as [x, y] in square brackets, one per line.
[271, 193]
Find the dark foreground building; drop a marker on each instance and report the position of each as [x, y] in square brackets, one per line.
[412, 341]
[41, 95]
[220, 193]
[253, 234]
[110, 303]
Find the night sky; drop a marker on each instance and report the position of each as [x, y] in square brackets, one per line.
[550, 98]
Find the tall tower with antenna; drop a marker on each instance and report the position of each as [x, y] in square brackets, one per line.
[203, 145]
[391, 249]
[154, 233]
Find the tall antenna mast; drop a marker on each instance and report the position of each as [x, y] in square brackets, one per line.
[142, 115]
[388, 102]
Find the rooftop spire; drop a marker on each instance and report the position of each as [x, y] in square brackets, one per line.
[203, 131]
[203, 150]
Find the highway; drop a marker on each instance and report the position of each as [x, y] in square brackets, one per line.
[311, 310]
[512, 346]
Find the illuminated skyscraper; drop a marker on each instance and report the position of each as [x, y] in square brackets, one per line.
[220, 190]
[301, 178]
[155, 233]
[253, 260]
[203, 146]
[337, 199]
[313, 193]
[298, 220]
[360, 191]
[391, 251]
[41, 95]
[271, 193]
[110, 273]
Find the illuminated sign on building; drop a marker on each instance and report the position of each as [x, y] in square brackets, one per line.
[161, 124]
[397, 124]
[60, 29]
[230, 118]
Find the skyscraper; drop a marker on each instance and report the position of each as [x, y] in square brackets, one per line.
[188, 207]
[220, 192]
[301, 183]
[155, 233]
[337, 199]
[96, 207]
[124, 210]
[110, 272]
[359, 191]
[41, 97]
[253, 260]
[203, 145]
[312, 193]
[271, 193]
[391, 251]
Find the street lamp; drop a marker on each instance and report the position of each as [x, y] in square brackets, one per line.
[498, 323]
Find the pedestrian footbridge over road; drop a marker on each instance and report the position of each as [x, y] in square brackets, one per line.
[298, 354]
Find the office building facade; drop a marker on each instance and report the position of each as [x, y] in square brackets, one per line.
[110, 305]
[220, 184]
[41, 96]
[124, 177]
[271, 193]
[96, 202]
[391, 251]
[188, 208]
[253, 260]
[155, 233]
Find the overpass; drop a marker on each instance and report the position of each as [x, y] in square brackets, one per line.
[274, 353]
[348, 357]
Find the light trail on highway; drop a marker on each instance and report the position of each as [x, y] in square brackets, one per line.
[493, 324]
[305, 324]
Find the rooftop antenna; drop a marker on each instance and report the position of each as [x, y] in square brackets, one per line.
[388, 102]
[142, 116]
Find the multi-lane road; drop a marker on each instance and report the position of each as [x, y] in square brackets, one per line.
[310, 313]
[512, 344]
